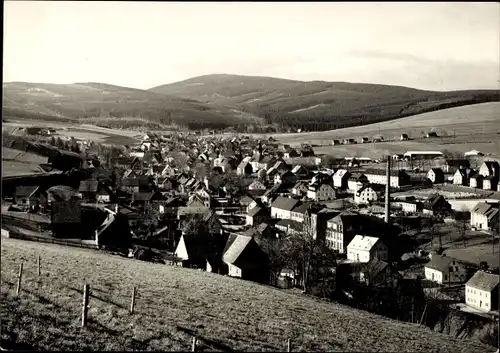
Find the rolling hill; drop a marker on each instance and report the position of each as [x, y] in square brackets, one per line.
[174, 304]
[318, 105]
[103, 103]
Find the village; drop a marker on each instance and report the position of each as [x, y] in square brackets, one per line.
[270, 213]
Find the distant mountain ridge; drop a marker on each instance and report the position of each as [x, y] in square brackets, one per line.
[318, 105]
[246, 103]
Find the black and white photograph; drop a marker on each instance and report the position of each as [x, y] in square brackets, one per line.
[250, 176]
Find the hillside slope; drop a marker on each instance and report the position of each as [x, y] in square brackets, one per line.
[175, 304]
[318, 105]
[96, 100]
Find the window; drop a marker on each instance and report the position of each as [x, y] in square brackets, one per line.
[445, 277]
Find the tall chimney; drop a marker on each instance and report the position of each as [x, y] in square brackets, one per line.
[388, 191]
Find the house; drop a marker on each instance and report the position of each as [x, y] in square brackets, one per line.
[473, 153]
[398, 178]
[321, 192]
[484, 215]
[285, 177]
[30, 195]
[316, 219]
[365, 248]
[340, 178]
[277, 189]
[300, 172]
[365, 195]
[481, 291]
[256, 185]
[490, 183]
[378, 273]
[404, 137]
[422, 154]
[410, 206]
[476, 181]
[436, 204]
[300, 189]
[244, 168]
[104, 193]
[298, 213]
[306, 151]
[198, 252]
[364, 140]
[356, 181]
[245, 259]
[290, 153]
[431, 134]
[445, 270]
[490, 168]
[462, 176]
[256, 215]
[282, 207]
[88, 190]
[144, 198]
[336, 142]
[436, 175]
[288, 226]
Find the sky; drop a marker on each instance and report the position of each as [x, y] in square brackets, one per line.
[434, 46]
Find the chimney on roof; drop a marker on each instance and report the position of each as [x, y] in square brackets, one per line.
[116, 208]
[388, 191]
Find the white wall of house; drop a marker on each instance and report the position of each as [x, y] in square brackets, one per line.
[484, 171]
[367, 195]
[234, 271]
[479, 221]
[456, 276]
[280, 213]
[181, 251]
[478, 298]
[458, 179]
[381, 179]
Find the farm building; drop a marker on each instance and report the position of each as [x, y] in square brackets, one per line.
[462, 176]
[30, 195]
[404, 137]
[357, 161]
[481, 291]
[378, 138]
[473, 153]
[398, 178]
[485, 215]
[445, 270]
[364, 140]
[436, 175]
[476, 181]
[336, 142]
[422, 154]
[431, 134]
[490, 168]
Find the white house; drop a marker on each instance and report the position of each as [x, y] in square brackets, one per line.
[340, 178]
[422, 154]
[481, 291]
[299, 189]
[489, 168]
[445, 270]
[323, 192]
[282, 207]
[484, 215]
[365, 195]
[364, 248]
[473, 153]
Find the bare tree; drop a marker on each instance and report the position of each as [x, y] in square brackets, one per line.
[461, 226]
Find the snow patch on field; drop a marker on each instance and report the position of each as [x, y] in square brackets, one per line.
[41, 91]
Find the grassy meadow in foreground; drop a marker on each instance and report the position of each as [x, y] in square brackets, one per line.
[175, 304]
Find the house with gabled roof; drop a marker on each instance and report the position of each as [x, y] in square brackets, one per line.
[256, 215]
[321, 192]
[445, 270]
[244, 168]
[340, 178]
[30, 195]
[275, 190]
[436, 175]
[436, 204]
[484, 215]
[490, 168]
[300, 172]
[365, 195]
[365, 248]
[476, 181]
[462, 176]
[379, 273]
[356, 181]
[88, 190]
[300, 189]
[245, 259]
[481, 291]
[281, 208]
[285, 177]
[256, 185]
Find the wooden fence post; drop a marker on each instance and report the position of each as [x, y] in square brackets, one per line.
[132, 303]
[193, 345]
[288, 345]
[39, 272]
[85, 304]
[18, 290]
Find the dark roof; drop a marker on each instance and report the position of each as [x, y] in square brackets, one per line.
[255, 211]
[458, 163]
[393, 173]
[285, 203]
[440, 263]
[302, 208]
[483, 281]
[23, 191]
[374, 267]
[486, 209]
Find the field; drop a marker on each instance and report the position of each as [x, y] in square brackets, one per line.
[15, 162]
[461, 129]
[80, 131]
[175, 304]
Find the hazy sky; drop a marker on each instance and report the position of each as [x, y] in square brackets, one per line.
[441, 46]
